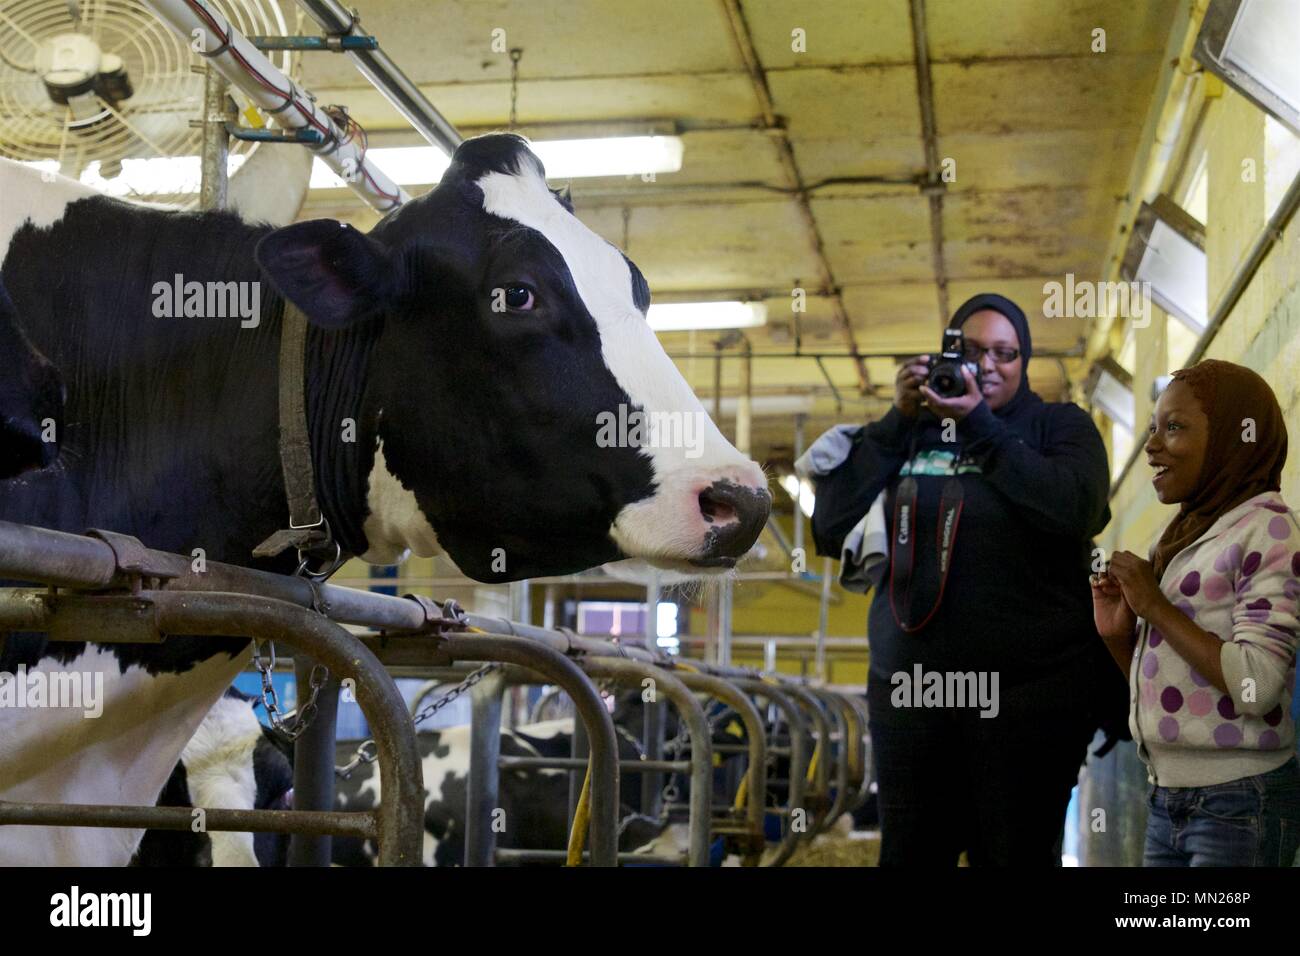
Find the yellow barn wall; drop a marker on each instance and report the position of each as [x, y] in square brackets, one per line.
[1263, 330]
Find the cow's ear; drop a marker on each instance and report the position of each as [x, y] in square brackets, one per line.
[335, 274]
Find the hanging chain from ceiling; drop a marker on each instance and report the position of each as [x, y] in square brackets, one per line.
[515, 56]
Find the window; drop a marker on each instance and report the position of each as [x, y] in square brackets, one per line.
[1127, 357]
[1281, 163]
[1110, 388]
[1121, 446]
[1251, 45]
[1196, 202]
[1113, 396]
[611, 618]
[627, 618]
[1167, 251]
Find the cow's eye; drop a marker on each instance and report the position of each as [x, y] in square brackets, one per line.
[520, 298]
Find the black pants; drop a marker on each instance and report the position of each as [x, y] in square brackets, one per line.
[997, 787]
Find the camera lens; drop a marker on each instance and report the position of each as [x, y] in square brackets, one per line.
[945, 379]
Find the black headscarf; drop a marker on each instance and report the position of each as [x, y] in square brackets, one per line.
[1016, 316]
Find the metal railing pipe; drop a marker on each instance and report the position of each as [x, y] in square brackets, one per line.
[313, 762]
[397, 824]
[731, 695]
[558, 669]
[819, 792]
[859, 705]
[353, 823]
[483, 787]
[400, 815]
[839, 744]
[632, 673]
[796, 785]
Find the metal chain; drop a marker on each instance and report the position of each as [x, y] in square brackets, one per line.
[670, 792]
[302, 716]
[515, 54]
[428, 710]
[632, 739]
[366, 752]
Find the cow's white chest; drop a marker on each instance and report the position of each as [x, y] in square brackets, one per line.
[395, 527]
[124, 756]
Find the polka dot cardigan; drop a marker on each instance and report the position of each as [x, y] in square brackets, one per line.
[1241, 582]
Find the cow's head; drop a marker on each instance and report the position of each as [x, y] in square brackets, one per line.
[31, 400]
[514, 354]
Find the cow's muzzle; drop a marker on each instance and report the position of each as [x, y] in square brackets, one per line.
[736, 514]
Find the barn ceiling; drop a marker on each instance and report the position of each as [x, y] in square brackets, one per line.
[1041, 129]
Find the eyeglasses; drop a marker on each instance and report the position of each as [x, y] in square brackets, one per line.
[1001, 353]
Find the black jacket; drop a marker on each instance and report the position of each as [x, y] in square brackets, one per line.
[1017, 599]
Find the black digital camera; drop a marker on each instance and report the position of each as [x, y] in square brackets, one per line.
[945, 378]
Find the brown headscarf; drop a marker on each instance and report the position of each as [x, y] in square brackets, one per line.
[1234, 470]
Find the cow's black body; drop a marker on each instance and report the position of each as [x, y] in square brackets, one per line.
[31, 395]
[171, 423]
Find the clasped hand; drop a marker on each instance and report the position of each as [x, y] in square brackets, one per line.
[1126, 590]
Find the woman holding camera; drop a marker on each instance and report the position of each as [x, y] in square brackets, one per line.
[1207, 628]
[985, 681]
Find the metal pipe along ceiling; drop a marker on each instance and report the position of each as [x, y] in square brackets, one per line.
[934, 187]
[785, 153]
[235, 58]
[380, 70]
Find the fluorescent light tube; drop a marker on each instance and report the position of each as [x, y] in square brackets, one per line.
[563, 159]
[767, 405]
[610, 156]
[410, 165]
[684, 316]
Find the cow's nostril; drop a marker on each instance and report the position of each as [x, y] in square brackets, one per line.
[717, 505]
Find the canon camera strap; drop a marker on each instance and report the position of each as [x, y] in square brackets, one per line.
[903, 562]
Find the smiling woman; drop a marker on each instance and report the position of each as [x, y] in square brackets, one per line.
[1207, 629]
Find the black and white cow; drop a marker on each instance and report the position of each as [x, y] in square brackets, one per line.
[534, 803]
[232, 763]
[461, 358]
[31, 399]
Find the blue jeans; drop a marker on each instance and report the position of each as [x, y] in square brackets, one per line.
[1254, 821]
